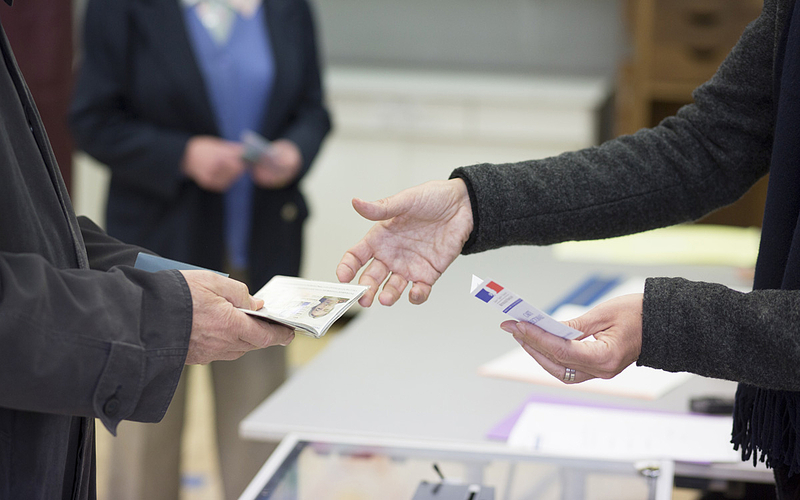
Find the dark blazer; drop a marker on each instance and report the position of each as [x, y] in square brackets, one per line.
[75, 344]
[140, 96]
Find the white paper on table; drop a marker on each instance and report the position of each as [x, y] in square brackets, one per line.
[590, 432]
[634, 381]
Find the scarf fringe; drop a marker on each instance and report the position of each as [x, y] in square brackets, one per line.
[766, 421]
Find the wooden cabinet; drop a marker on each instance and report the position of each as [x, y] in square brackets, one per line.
[690, 38]
[676, 46]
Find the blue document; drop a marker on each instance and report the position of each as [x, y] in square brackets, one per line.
[153, 263]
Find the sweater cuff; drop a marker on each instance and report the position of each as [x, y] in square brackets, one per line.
[459, 173]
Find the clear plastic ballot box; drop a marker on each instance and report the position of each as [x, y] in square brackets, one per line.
[339, 467]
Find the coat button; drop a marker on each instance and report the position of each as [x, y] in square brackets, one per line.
[289, 212]
[111, 407]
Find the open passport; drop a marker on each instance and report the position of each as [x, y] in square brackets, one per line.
[310, 307]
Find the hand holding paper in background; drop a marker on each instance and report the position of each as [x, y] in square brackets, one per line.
[274, 164]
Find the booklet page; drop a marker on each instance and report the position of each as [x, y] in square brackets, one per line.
[309, 306]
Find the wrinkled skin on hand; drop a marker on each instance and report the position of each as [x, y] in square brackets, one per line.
[219, 330]
[616, 326]
[418, 233]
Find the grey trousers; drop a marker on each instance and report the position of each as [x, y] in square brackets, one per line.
[145, 458]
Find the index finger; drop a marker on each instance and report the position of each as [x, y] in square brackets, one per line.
[260, 333]
[353, 260]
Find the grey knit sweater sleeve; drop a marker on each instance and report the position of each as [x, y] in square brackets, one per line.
[704, 158]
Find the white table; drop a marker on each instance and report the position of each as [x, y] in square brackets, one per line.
[410, 372]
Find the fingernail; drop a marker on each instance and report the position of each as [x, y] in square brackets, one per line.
[510, 328]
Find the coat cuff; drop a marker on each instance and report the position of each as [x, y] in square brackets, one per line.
[138, 381]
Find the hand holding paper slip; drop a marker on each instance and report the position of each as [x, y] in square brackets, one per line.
[255, 147]
[510, 303]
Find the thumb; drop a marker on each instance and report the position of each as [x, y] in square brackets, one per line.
[590, 322]
[234, 292]
[241, 298]
[382, 209]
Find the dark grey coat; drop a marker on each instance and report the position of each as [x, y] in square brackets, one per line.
[702, 159]
[75, 343]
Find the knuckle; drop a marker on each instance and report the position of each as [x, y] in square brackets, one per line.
[265, 339]
[576, 324]
[289, 338]
[608, 367]
[561, 353]
[606, 375]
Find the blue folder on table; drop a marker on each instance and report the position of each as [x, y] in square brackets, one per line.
[588, 292]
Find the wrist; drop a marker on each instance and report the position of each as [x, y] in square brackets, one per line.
[465, 199]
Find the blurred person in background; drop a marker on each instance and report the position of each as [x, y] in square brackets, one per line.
[165, 91]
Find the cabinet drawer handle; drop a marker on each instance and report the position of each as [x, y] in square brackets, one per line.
[703, 54]
[704, 19]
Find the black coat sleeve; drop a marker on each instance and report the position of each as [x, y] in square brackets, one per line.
[109, 343]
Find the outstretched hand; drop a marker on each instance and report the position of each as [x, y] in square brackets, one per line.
[617, 328]
[418, 233]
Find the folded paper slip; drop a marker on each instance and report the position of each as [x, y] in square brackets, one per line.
[510, 303]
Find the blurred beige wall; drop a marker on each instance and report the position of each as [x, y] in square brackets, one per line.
[543, 36]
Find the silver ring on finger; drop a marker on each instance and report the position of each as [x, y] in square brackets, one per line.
[569, 375]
